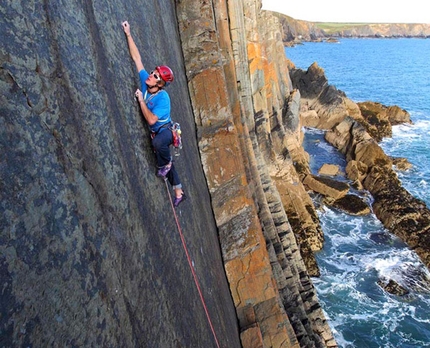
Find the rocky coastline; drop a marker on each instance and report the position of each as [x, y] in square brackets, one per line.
[356, 135]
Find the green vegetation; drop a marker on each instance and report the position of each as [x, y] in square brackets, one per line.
[330, 28]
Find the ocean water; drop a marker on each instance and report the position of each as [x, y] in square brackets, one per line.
[358, 251]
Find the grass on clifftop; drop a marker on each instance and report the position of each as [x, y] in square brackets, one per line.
[336, 27]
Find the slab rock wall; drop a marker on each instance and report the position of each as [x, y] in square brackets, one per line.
[90, 255]
[90, 250]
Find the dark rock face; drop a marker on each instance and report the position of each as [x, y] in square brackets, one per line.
[393, 287]
[403, 214]
[352, 204]
[311, 83]
[379, 118]
[90, 252]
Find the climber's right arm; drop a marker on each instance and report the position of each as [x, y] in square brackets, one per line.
[149, 116]
[134, 52]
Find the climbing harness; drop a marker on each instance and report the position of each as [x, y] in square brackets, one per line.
[175, 128]
[190, 263]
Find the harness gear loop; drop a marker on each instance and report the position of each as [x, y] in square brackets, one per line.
[190, 263]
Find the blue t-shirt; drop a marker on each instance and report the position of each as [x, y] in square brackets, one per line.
[158, 103]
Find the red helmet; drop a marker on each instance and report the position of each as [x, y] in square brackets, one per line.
[166, 73]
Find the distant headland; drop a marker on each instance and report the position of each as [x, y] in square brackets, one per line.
[296, 31]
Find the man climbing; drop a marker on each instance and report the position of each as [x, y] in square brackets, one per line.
[154, 103]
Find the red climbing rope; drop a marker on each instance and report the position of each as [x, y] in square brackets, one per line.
[190, 263]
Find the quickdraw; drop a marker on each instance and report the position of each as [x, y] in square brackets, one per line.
[177, 140]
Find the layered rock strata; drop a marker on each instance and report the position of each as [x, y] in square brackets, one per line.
[248, 133]
[322, 105]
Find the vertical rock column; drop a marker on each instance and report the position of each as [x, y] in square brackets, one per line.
[226, 153]
[276, 135]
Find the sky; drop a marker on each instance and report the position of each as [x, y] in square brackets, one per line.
[362, 11]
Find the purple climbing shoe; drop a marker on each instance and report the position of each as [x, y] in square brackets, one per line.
[179, 200]
[164, 169]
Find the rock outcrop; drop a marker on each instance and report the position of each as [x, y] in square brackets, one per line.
[400, 212]
[90, 252]
[355, 132]
[322, 105]
[329, 170]
[326, 186]
[393, 287]
[379, 119]
[295, 30]
[351, 204]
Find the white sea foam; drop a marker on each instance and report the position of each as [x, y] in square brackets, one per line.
[311, 130]
[350, 271]
[412, 142]
[324, 146]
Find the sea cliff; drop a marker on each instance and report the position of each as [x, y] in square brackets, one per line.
[92, 253]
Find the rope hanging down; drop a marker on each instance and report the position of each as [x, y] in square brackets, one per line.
[190, 263]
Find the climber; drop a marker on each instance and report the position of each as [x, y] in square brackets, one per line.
[154, 103]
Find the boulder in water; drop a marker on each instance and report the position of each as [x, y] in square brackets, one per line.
[351, 204]
[379, 119]
[326, 186]
[329, 169]
[401, 163]
[393, 287]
